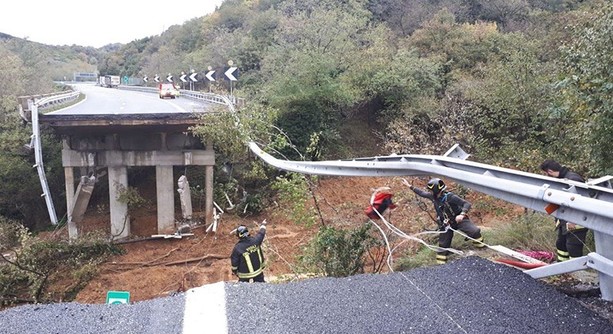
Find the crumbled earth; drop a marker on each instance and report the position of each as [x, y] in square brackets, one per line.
[152, 268]
[159, 267]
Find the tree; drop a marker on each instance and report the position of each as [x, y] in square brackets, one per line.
[20, 183]
[403, 16]
[504, 12]
[306, 69]
[587, 87]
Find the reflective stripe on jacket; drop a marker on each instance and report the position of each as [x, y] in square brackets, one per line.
[247, 257]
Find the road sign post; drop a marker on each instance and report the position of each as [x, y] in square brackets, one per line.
[209, 76]
[193, 79]
[230, 75]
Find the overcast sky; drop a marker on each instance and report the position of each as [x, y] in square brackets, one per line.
[96, 23]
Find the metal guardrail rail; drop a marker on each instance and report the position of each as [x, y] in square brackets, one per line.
[201, 96]
[589, 204]
[28, 109]
[44, 101]
[34, 105]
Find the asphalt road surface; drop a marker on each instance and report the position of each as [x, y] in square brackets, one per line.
[469, 295]
[110, 101]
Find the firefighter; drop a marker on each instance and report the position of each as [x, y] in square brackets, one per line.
[381, 200]
[571, 236]
[247, 257]
[451, 210]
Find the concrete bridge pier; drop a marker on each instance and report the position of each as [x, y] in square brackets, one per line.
[122, 141]
[208, 209]
[120, 220]
[73, 232]
[164, 183]
[208, 186]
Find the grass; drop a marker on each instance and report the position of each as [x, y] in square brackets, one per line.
[532, 231]
[424, 257]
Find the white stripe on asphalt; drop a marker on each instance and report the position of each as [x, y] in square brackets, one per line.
[205, 310]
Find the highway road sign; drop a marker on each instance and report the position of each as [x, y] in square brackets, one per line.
[169, 77]
[182, 77]
[193, 77]
[145, 79]
[229, 73]
[209, 75]
[118, 297]
[156, 78]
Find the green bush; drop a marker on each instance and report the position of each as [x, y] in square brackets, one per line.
[339, 252]
[31, 264]
[293, 191]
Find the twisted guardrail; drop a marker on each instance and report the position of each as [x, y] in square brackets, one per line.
[589, 204]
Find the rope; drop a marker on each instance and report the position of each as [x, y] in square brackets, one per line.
[467, 237]
[389, 259]
[405, 236]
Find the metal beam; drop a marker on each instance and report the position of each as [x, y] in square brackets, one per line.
[592, 260]
[38, 157]
[589, 204]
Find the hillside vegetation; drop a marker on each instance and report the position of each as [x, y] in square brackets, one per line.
[513, 81]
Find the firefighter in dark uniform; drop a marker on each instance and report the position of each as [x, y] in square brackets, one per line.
[571, 236]
[451, 210]
[247, 257]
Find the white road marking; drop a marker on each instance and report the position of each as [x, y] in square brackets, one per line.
[205, 310]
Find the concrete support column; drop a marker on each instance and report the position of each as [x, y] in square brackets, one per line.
[120, 221]
[208, 193]
[73, 232]
[165, 198]
[208, 187]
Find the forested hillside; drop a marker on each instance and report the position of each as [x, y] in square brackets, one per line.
[513, 81]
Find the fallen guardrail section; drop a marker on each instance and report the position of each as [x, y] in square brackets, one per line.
[589, 204]
[30, 114]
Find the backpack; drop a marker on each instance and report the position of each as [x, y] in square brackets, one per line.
[381, 202]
